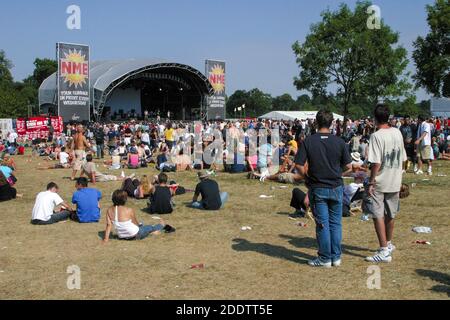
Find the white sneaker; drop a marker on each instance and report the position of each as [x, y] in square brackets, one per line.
[430, 173]
[419, 172]
[337, 263]
[403, 171]
[415, 169]
[317, 263]
[380, 256]
[391, 247]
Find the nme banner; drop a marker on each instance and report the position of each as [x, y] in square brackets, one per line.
[215, 71]
[73, 82]
[38, 127]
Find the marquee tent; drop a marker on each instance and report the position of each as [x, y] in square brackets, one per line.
[292, 115]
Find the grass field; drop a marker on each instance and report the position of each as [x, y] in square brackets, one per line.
[267, 262]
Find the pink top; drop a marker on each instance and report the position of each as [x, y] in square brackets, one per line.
[134, 160]
[253, 161]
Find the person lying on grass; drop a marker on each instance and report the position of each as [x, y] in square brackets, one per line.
[90, 169]
[125, 222]
[138, 189]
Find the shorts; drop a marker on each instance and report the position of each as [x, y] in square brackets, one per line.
[105, 178]
[426, 153]
[80, 155]
[381, 204]
[286, 178]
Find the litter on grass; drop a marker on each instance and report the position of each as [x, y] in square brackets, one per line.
[422, 242]
[422, 229]
[263, 196]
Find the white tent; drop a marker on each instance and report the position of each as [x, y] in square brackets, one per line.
[292, 115]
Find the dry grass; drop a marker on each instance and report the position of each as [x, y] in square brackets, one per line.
[268, 262]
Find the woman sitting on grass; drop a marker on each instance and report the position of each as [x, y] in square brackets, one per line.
[7, 192]
[138, 189]
[125, 222]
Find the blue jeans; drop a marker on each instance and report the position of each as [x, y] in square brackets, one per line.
[199, 204]
[55, 218]
[144, 231]
[326, 205]
[100, 150]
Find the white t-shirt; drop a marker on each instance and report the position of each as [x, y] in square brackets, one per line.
[425, 127]
[145, 137]
[349, 191]
[63, 158]
[46, 202]
[12, 137]
[386, 148]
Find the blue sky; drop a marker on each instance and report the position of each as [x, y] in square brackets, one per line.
[254, 37]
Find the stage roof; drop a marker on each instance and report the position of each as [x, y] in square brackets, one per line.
[106, 75]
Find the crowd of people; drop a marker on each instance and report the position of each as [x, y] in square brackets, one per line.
[375, 152]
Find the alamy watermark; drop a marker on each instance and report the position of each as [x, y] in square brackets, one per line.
[374, 279]
[73, 22]
[374, 19]
[74, 279]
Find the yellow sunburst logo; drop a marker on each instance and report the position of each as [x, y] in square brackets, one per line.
[74, 68]
[217, 78]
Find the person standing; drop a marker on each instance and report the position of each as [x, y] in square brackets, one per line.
[328, 158]
[407, 134]
[100, 141]
[386, 156]
[79, 145]
[423, 143]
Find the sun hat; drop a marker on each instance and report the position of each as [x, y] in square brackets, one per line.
[356, 156]
[203, 175]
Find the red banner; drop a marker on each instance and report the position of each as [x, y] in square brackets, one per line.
[37, 127]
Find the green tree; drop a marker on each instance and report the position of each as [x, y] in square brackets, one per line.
[284, 103]
[12, 103]
[43, 68]
[237, 99]
[256, 103]
[432, 53]
[5, 66]
[341, 54]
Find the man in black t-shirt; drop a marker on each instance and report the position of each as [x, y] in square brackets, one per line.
[99, 135]
[212, 198]
[326, 156]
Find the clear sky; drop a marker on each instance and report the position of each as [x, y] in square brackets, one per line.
[254, 37]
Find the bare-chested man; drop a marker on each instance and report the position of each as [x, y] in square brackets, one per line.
[79, 145]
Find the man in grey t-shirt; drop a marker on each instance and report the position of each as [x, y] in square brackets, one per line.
[386, 155]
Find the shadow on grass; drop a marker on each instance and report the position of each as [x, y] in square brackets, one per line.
[291, 215]
[438, 277]
[270, 250]
[309, 243]
[101, 235]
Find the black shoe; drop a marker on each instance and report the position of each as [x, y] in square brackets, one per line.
[168, 229]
